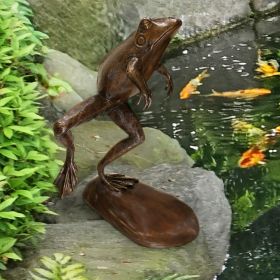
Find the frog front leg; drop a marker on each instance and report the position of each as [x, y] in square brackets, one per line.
[124, 117]
[135, 74]
[169, 82]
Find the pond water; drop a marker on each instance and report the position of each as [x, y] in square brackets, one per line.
[203, 126]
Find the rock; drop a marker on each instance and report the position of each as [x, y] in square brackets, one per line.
[107, 254]
[95, 138]
[84, 29]
[265, 5]
[81, 78]
[196, 17]
[65, 101]
[87, 30]
[47, 108]
[267, 26]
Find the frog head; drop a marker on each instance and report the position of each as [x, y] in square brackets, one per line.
[153, 33]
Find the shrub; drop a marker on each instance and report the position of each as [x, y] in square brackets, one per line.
[59, 268]
[27, 164]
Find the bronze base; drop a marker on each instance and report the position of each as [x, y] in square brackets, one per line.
[145, 215]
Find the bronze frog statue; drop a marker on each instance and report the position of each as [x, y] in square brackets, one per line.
[147, 216]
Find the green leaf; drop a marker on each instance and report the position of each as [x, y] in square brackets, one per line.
[5, 100]
[31, 115]
[5, 90]
[23, 129]
[41, 35]
[24, 193]
[8, 202]
[2, 267]
[66, 259]
[56, 82]
[8, 154]
[71, 267]
[35, 277]
[24, 172]
[72, 274]
[5, 50]
[25, 51]
[6, 72]
[49, 263]
[11, 215]
[45, 273]
[34, 155]
[24, 36]
[6, 243]
[12, 256]
[2, 177]
[58, 257]
[8, 132]
[40, 199]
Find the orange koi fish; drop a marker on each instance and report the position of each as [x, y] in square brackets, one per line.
[267, 68]
[251, 157]
[242, 93]
[192, 85]
[277, 129]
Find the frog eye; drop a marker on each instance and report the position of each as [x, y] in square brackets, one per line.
[146, 23]
[141, 40]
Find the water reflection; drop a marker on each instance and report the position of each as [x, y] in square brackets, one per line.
[255, 252]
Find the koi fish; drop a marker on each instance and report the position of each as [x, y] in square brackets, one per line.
[268, 68]
[277, 129]
[251, 157]
[192, 85]
[242, 93]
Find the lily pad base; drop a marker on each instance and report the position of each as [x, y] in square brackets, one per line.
[147, 216]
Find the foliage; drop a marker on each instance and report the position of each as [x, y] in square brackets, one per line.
[27, 164]
[243, 207]
[59, 268]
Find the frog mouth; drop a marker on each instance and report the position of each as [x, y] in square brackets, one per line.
[170, 30]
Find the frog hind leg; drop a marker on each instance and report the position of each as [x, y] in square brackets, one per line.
[124, 117]
[82, 112]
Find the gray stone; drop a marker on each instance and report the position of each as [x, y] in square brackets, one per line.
[65, 101]
[87, 30]
[267, 26]
[81, 78]
[198, 16]
[265, 5]
[109, 255]
[84, 29]
[94, 139]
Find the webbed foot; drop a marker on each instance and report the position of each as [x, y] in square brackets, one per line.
[66, 179]
[118, 182]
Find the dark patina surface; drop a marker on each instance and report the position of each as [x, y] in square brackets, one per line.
[123, 74]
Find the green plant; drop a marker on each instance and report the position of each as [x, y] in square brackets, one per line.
[59, 268]
[27, 164]
[244, 209]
